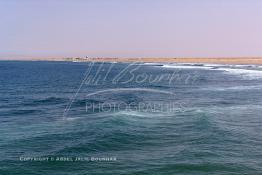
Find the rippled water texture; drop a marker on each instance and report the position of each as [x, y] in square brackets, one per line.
[196, 119]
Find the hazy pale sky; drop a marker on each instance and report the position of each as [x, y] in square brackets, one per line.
[130, 28]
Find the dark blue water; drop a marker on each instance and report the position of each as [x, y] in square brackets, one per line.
[117, 118]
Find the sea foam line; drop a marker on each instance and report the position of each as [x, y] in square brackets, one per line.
[238, 70]
[245, 73]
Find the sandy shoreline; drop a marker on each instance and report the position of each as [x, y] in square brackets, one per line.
[183, 60]
[244, 60]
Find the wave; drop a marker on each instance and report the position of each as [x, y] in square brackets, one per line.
[49, 100]
[84, 102]
[233, 88]
[40, 102]
[187, 66]
[245, 73]
[153, 64]
[249, 72]
[21, 112]
[138, 114]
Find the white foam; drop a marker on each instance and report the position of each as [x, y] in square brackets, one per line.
[244, 73]
[71, 118]
[233, 88]
[143, 114]
[133, 113]
[246, 65]
[214, 65]
[187, 67]
[151, 63]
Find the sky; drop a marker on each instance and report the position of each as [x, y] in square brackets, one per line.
[130, 28]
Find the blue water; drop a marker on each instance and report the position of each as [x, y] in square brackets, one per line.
[205, 119]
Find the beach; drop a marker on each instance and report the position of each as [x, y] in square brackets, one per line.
[242, 60]
[233, 61]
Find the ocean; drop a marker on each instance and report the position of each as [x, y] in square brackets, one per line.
[81, 118]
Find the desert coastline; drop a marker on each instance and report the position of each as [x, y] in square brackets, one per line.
[235, 60]
[242, 60]
[225, 60]
[131, 87]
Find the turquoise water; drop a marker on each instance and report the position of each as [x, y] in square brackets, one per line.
[196, 119]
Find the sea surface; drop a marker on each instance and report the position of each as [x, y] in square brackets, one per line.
[76, 118]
